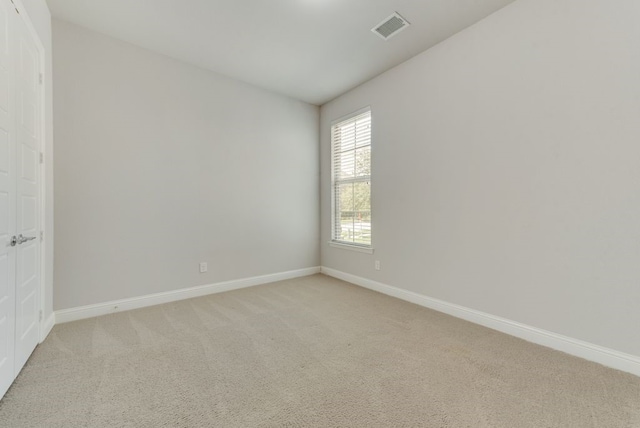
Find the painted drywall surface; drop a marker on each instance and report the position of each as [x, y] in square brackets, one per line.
[40, 18]
[161, 165]
[505, 170]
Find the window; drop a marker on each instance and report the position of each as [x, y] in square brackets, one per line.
[351, 179]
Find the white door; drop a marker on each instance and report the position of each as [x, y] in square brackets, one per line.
[19, 195]
[28, 195]
[7, 199]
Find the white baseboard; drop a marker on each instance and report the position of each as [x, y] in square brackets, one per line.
[588, 351]
[105, 308]
[47, 325]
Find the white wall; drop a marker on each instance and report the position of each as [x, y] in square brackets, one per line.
[40, 18]
[506, 170]
[161, 165]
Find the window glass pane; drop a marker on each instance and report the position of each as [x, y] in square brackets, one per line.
[346, 165]
[348, 137]
[363, 132]
[362, 213]
[344, 212]
[362, 196]
[363, 162]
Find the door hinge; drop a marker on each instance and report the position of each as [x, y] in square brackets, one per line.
[41, 157]
[40, 315]
[41, 235]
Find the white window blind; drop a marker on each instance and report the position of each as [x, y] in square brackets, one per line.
[351, 184]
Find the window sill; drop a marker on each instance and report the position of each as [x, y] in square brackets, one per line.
[358, 248]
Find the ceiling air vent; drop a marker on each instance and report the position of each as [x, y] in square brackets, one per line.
[391, 26]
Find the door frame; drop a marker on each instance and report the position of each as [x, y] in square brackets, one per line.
[24, 16]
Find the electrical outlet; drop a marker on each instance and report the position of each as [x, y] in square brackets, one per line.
[377, 265]
[203, 267]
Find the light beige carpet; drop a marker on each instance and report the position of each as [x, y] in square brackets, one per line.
[310, 352]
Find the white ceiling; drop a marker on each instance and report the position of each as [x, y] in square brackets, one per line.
[312, 50]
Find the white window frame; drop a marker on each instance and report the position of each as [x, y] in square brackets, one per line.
[363, 248]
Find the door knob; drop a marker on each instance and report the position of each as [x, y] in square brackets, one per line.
[22, 239]
[13, 241]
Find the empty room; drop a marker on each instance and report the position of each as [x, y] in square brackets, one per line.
[320, 213]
